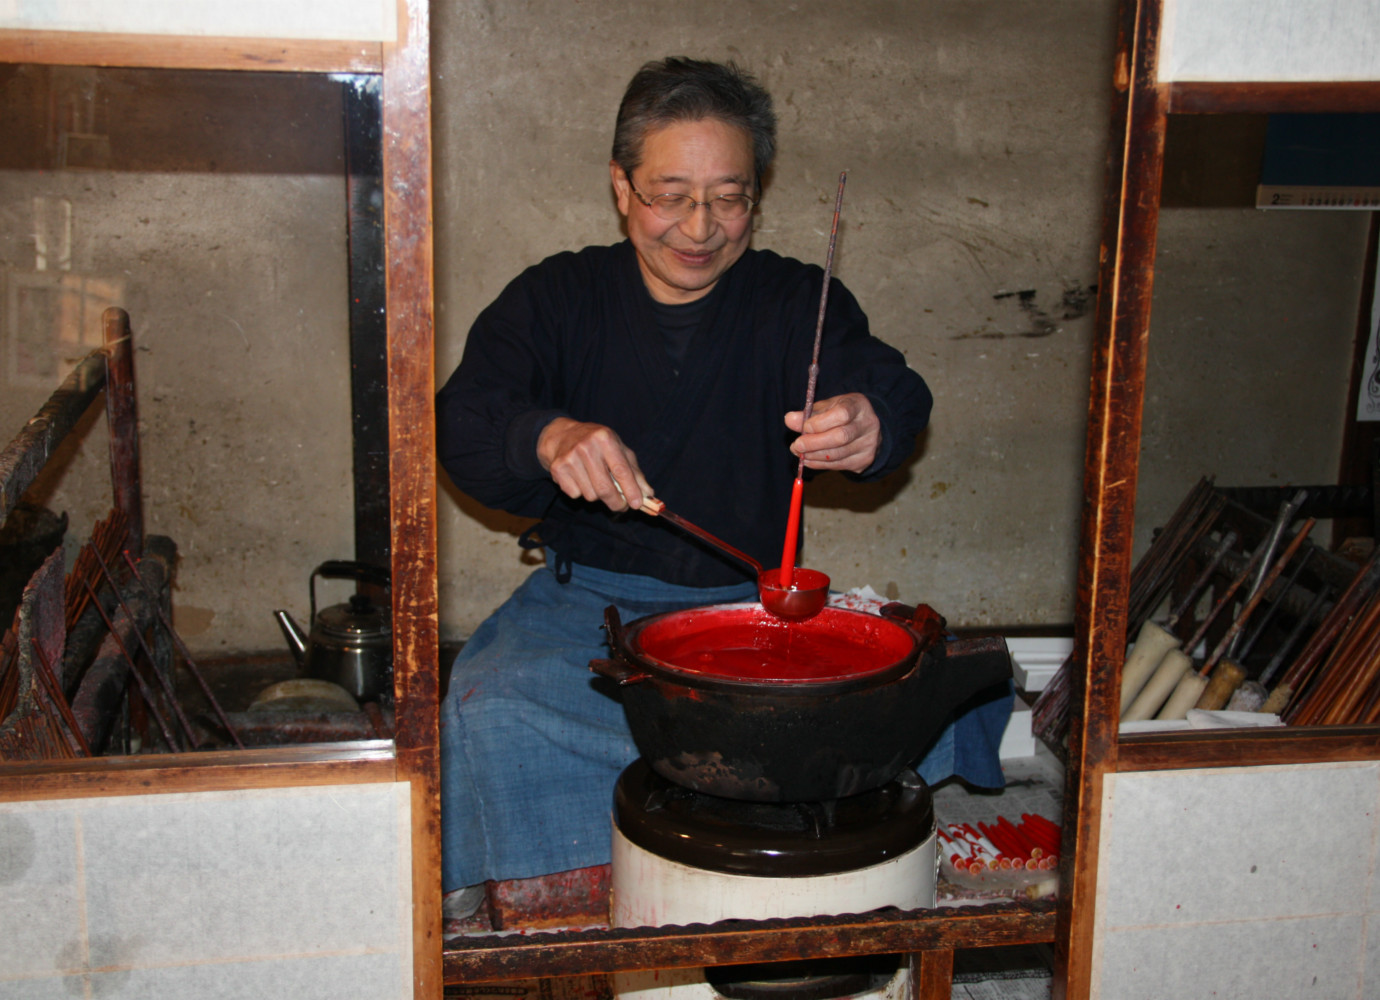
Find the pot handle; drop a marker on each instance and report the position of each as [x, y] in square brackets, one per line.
[981, 661]
[618, 671]
[922, 619]
[613, 624]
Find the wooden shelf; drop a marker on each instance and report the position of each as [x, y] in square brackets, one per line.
[1265, 98]
[1247, 747]
[601, 951]
[76, 48]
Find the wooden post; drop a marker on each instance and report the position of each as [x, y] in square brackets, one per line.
[1130, 216]
[412, 466]
[122, 414]
[934, 975]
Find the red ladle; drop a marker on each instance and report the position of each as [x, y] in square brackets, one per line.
[809, 589]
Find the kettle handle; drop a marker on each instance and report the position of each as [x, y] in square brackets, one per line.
[362, 572]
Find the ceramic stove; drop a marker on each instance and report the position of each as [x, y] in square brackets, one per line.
[681, 857]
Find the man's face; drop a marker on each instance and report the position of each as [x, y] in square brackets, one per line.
[681, 261]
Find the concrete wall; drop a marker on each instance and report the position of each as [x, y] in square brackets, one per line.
[974, 135]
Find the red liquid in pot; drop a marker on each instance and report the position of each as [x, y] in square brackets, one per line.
[747, 643]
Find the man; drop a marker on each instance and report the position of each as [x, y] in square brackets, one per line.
[673, 364]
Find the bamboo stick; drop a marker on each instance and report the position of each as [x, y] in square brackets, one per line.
[1300, 673]
[1331, 679]
[134, 672]
[54, 689]
[1266, 582]
[152, 661]
[182, 648]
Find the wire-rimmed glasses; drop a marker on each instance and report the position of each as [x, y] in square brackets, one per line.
[678, 207]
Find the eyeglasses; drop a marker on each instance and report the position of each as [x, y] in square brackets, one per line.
[678, 207]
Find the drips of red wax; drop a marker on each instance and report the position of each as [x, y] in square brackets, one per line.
[787, 571]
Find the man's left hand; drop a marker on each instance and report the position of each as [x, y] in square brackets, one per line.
[843, 433]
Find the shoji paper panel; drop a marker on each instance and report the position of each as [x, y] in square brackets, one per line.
[300, 892]
[1270, 40]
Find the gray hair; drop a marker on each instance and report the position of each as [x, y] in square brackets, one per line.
[678, 89]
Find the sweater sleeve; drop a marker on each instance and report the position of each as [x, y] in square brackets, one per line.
[496, 402]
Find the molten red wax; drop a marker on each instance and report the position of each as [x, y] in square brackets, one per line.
[744, 642]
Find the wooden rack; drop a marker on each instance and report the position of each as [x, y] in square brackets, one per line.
[1145, 95]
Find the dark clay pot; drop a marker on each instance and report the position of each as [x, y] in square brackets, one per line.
[729, 701]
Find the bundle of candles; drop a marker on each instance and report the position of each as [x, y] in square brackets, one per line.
[1259, 619]
[1031, 845]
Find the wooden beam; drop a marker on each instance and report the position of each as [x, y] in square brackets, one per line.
[210, 771]
[1247, 747]
[934, 975]
[1130, 215]
[491, 959]
[1189, 97]
[412, 466]
[84, 48]
[23, 458]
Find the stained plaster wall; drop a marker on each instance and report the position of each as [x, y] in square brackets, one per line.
[974, 135]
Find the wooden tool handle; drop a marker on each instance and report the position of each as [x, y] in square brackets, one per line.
[1225, 679]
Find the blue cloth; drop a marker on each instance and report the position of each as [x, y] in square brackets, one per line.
[532, 742]
[970, 745]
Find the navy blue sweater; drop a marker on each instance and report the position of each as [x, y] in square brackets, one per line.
[575, 335]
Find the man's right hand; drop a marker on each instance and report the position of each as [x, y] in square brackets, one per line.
[591, 461]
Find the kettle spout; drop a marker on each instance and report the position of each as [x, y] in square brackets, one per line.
[296, 639]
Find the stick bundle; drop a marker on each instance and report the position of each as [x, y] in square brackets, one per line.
[1346, 687]
[107, 539]
[1151, 579]
[31, 726]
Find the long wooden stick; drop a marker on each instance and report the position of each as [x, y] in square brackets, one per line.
[134, 672]
[54, 689]
[1274, 607]
[1295, 634]
[1196, 590]
[1265, 583]
[1225, 599]
[1363, 662]
[186, 653]
[1301, 671]
[788, 546]
[168, 692]
[1333, 680]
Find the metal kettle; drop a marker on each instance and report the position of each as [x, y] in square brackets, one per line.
[350, 644]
